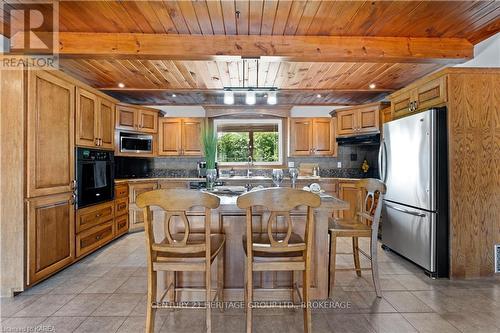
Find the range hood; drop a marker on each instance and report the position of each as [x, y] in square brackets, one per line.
[365, 139]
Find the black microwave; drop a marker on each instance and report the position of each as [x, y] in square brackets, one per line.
[136, 143]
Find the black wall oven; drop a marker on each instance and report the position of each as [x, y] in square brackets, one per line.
[94, 176]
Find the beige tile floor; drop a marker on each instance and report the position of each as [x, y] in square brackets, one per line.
[105, 292]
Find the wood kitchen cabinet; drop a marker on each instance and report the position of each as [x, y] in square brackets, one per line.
[386, 114]
[348, 192]
[419, 97]
[121, 209]
[89, 217]
[180, 137]
[94, 120]
[51, 240]
[136, 119]
[136, 218]
[50, 134]
[93, 238]
[312, 137]
[357, 120]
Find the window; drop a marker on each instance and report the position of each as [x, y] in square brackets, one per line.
[239, 139]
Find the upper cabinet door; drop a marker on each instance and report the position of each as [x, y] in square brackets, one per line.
[323, 137]
[126, 118]
[87, 122]
[400, 104]
[170, 137]
[106, 124]
[191, 137]
[300, 136]
[431, 94]
[346, 122]
[147, 121]
[368, 120]
[50, 134]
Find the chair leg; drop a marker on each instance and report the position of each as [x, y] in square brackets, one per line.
[249, 294]
[294, 285]
[333, 256]
[220, 279]
[150, 311]
[374, 266]
[245, 285]
[355, 253]
[307, 308]
[208, 297]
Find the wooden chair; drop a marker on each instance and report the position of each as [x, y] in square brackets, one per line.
[273, 251]
[185, 251]
[365, 224]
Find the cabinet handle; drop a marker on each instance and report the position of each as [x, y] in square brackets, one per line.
[98, 215]
[73, 199]
[96, 141]
[100, 142]
[98, 237]
[73, 184]
[415, 105]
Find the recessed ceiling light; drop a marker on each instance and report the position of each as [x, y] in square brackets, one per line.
[372, 86]
[121, 85]
[174, 95]
[318, 95]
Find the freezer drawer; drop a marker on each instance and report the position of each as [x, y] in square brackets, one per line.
[410, 232]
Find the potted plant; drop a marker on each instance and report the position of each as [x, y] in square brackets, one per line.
[209, 145]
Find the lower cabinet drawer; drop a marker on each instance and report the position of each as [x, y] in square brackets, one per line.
[89, 217]
[121, 225]
[121, 206]
[91, 239]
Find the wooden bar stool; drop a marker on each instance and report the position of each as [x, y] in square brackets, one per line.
[365, 224]
[278, 251]
[179, 252]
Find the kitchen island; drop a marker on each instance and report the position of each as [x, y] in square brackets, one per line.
[230, 220]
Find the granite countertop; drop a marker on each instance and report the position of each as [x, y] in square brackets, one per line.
[128, 180]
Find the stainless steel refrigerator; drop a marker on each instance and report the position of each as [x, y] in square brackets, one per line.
[413, 163]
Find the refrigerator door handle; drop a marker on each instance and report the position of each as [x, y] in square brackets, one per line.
[382, 165]
[405, 210]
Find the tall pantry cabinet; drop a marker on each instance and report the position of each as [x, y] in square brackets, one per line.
[50, 174]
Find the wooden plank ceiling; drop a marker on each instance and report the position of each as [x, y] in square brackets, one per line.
[154, 81]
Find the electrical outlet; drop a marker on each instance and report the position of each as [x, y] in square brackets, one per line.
[291, 164]
[339, 165]
[497, 258]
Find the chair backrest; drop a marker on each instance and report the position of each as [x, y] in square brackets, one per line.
[175, 202]
[279, 202]
[369, 208]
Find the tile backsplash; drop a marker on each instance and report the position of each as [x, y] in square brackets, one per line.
[351, 158]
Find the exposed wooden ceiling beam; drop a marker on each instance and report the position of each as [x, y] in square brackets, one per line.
[291, 48]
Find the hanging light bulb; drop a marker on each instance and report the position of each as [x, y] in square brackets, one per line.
[272, 98]
[228, 97]
[250, 98]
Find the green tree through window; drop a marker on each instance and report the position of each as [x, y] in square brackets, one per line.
[237, 141]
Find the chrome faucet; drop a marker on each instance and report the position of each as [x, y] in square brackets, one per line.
[249, 165]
